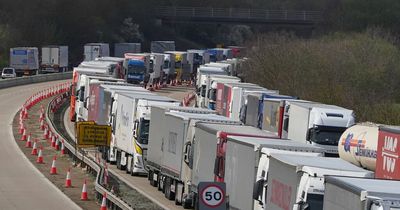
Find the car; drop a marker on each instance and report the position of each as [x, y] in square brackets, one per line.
[8, 72]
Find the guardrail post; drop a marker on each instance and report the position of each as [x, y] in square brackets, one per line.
[286, 14]
[304, 15]
[230, 12]
[249, 14]
[212, 12]
[267, 14]
[193, 12]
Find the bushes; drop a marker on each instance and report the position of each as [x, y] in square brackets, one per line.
[359, 71]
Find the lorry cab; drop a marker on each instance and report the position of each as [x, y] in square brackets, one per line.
[136, 66]
[215, 54]
[323, 127]
[211, 88]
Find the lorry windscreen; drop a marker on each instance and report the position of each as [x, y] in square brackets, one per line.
[144, 131]
[166, 64]
[326, 136]
[133, 69]
[315, 201]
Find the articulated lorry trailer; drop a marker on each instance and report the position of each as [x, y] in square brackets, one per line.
[80, 79]
[349, 193]
[373, 147]
[156, 134]
[205, 145]
[162, 46]
[132, 129]
[111, 68]
[91, 51]
[117, 70]
[297, 181]
[121, 48]
[210, 92]
[156, 69]
[54, 59]
[169, 173]
[244, 164]
[25, 60]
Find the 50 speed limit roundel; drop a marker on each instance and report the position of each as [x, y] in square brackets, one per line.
[212, 195]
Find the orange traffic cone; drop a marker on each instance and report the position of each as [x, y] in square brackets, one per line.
[40, 156]
[42, 125]
[28, 143]
[23, 137]
[41, 118]
[84, 195]
[68, 182]
[53, 169]
[104, 202]
[34, 149]
[21, 128]
[29, 137]
[45, 133]
[25, 116]
[53, 141]
[57, 146]
[62, 147]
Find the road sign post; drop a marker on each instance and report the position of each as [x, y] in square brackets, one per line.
[212, 196]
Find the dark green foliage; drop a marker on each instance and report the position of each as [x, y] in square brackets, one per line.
[359, 71]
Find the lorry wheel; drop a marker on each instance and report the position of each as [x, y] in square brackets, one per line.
[168, 193]
[159, 183]
[118, 159]
[186, 203]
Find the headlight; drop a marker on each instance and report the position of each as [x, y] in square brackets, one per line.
[138, 149]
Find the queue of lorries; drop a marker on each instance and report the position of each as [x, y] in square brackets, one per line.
[272, 151]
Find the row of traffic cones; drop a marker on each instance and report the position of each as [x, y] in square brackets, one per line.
[55, 141]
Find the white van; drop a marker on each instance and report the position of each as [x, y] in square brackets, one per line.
[8, 72]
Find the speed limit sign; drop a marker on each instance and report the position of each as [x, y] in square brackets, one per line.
[212, 196]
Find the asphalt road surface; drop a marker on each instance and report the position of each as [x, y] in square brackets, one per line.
[22, 186]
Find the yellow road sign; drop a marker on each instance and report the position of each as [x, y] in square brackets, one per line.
[93, 135]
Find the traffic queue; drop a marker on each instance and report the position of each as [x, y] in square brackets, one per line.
[271, 151]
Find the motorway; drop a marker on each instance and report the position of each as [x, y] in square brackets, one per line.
[141, 184]
[22, 186]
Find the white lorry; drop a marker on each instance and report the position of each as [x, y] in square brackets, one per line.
[162, 46]
[318, 124]
[156, 134]
[297, 181]
[132, 128]
[224, 66]
[25, 60]
[246, 164]
[205, 152]
[83, 90]
[177, 124]
[113, 95]
[156, 69]
[121, 48]
[91, 51]
[349, 193]
[54, 59]
[117, 71]
[209, 99]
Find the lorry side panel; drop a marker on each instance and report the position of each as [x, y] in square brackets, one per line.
[239, 165]
[204, 153]
[63, 59]
[270, 118]
[124, 126]
[252, 110]
[298, 123]
[173, 144]
[281, 194]
[156, 133]
[338, 198]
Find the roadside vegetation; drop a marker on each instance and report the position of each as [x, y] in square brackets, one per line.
[359, 71]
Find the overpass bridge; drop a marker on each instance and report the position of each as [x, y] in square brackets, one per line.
[238, 16]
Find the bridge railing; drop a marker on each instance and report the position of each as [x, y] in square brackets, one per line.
[237, 13]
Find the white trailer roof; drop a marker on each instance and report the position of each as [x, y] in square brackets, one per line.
[359, 185]
[188, 116]
[318, 105]
[152, 97]
[318, 162]
[280, 144]
[187, 109]
[215, 128]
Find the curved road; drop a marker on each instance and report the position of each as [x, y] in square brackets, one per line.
[22, 186]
